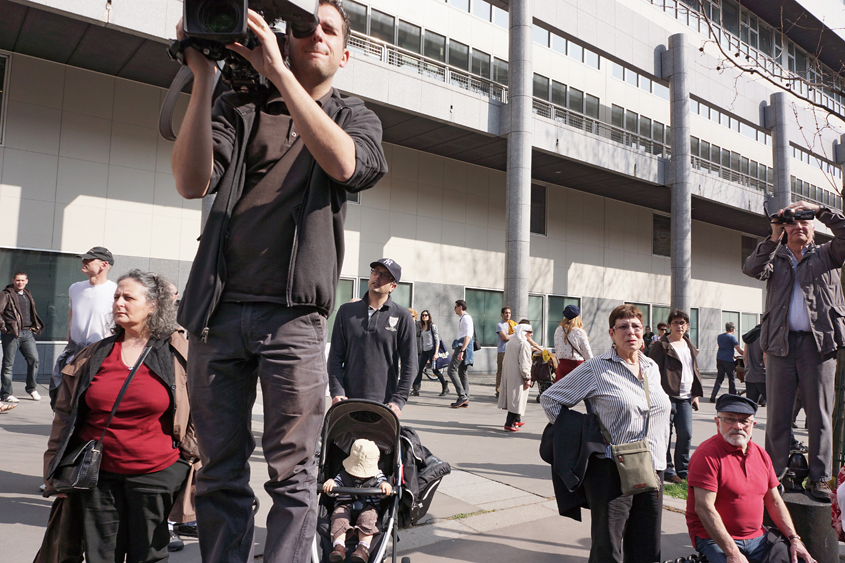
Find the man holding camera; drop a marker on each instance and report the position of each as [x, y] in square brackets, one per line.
[801, 330]
[280, 162]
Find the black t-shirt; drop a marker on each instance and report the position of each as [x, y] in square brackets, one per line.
[23, 305]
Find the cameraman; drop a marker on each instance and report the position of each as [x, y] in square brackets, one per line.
[281, 162]
[801, 330]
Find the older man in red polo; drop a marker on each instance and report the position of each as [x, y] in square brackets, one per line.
[730, 480]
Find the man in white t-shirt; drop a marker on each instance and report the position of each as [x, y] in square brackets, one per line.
[462, 355]
[90, 315]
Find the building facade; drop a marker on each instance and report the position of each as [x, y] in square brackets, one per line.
[82, 164]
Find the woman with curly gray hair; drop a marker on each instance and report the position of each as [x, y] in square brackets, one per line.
[148, 446]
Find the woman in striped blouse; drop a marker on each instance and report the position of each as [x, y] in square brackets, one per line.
[613, 382]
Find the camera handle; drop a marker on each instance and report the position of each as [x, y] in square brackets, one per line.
[182, 79]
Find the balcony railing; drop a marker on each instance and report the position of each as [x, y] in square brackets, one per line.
[413, 63]
[726, 173]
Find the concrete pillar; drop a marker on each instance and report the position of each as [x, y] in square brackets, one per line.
[677, 59]
[779, 116]
[518, 195]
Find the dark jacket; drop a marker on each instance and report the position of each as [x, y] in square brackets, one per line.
[365, 356]
[568, 445]
[10, 313]
[318, 249]
[671, 369]
[820, 282]
[167, 359]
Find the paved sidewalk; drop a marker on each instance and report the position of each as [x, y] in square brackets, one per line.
[497, 505]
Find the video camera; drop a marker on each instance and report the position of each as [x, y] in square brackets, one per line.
[789, 216]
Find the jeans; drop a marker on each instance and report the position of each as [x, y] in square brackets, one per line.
[425, 357]
[724, 368]
[753, 549]
[26, 343]
[680, 420]
[458, 374]
[283, 348]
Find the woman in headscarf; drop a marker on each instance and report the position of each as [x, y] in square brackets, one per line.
[516, 376]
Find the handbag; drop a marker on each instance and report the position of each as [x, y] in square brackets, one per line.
[542, 367]
[80, 467]
[633, 460]
[475, 345]
[441, 359]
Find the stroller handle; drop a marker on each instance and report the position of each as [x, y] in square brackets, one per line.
[359, 492]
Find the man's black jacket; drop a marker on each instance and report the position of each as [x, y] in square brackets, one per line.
[318, 249]
[10, 314]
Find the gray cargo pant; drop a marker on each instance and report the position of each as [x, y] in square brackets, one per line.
[283, 348]
[802, 368]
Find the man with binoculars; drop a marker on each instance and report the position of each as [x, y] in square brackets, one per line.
[801, 330]
[280, 160]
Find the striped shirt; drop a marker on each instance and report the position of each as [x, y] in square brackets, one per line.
[619, 399]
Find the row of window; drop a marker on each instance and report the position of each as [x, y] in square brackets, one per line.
[640, 125]
[731, 160]
[555, 42]
[639, 81]
[483, 10]
[822, 164]
[655, 314]
[709, 112]
[805, 190]
[566, 97]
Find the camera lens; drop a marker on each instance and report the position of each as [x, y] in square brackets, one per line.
[219, 16]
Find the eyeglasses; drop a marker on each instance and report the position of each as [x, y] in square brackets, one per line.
[633, 326]
[678, 323]
[381, 275]
[424, 315]
[730, 421]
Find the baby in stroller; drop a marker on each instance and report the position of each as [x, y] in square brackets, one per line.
[360, 470]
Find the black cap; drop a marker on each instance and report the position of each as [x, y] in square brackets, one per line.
[736, 403]
[98, 253]
[571, 311]
[392, 267]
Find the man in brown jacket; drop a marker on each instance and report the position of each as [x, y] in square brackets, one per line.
[19, 323]
[801, 330]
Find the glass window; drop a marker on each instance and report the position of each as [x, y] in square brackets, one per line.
[538, 209]
[618, 71]
[743, 165]
[730, 16]
[591, 106]
[481, 9]
[554, 314]
[766, 41]
[735, 162]
[715, 155]
[730, 317]
[693, 145]
[660, 90]
[630, 77]
[50, 275]
[693, 327]
[500, 17]
[726, 158]
[645, 127]
[382, 26]
[541, 36]
[462, 5]
[591, 59]
[645, 84]
[617, 116]
[458, 55]
[661, 236]
[500, 71]
[353, 197]
[704, 150]
[409, 36]
[357, 17]
[752, 169]
[558, 93]
[559, 45]
[541, 87]
[535, 316]
[631, 121]
[344, 293]
[645, 309]
[576, 52]
[659, 314]
[402, 295]
[435, 46]
[576, 100]
[485, 306]
[657, 132]
[749, 244]
[480, 63]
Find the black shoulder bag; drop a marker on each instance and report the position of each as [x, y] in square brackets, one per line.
[80, 467]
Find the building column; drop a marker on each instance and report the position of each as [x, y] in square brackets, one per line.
[518, 195]
[778, 116]
[675, 65]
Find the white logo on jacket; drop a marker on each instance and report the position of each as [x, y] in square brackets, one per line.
[392, 321]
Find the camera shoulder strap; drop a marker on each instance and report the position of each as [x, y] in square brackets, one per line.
[182, 79]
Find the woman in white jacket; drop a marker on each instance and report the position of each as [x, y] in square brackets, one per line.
[516, 376]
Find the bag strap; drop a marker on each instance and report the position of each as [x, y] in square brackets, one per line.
[604, 431]
[574, 347]
[123, 391]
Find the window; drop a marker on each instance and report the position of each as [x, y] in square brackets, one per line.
[693, 144]
[657, 132]
[343, 294]
[485, 306]
[659, 314]
[481, 9]
[631, 121]
[661, 236]
[558, 94]
[730, 17]
[715, 153]
[693, 326]
[435, 46]
[645, 84]
[480, 63]
[458, 55]
[541, 87]
[538, 209]
[500, 71]
[3, 67]
[704, 150]
[749, 321]
[617, 116]
[645, 309]
[50, 275]
[576, 100]
[462, 5]
[357, 17]
[541, 36]
[554, 314]
[591, 106]
[382, 26]
[535, 317]
[353, 197]
[729, 317]
[559, 45]
[630, 77]
[402, 295]
[618, 71]
[591, 59]
[409, 36]
[500, 17]
[575, 51]
[660, 90]
[645, 127]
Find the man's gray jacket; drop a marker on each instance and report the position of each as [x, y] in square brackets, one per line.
[820, 281]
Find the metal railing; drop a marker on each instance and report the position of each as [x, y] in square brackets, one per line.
[414, 63]
[726, 173]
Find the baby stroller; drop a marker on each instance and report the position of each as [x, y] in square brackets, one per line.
[543, 369]
[346, 422]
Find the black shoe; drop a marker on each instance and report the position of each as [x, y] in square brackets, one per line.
[712, 399]
[415, 392]
[445, 391]
[176, 543]
[189, 530]
[460, 403]
[819, 490]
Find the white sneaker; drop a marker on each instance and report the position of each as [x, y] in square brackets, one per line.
[11, 399]
[35, 396]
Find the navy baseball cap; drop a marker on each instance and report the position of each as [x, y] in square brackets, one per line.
[571, 311]
[98, 253]
[392, 267]
[736, 403]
